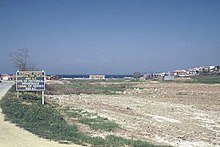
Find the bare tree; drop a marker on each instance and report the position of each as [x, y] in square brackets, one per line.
[19, 59]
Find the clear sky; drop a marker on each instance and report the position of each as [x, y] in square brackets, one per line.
[111, 36]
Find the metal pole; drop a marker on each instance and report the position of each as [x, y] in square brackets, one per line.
[43, 97]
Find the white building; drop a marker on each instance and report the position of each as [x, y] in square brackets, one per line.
[97, 77]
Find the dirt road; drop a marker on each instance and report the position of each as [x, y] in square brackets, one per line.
[183, 115]
[13, 136]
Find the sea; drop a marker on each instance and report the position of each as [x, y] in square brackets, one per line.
[87, 76]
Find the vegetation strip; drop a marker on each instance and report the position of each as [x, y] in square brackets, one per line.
[45, 121]
[93, 120]
[88, 87]
[208, 79]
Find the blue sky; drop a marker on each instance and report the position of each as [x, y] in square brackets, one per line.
[111, 36]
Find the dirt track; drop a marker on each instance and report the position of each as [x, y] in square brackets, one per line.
[161, 113]
[13, 136]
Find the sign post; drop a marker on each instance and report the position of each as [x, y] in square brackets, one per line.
[30, 81]
[43, 97]
[17, 94]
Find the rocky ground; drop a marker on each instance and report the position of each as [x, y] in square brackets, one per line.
[177, 114]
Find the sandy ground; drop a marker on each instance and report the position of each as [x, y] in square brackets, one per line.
[183, 115]
[13, 136]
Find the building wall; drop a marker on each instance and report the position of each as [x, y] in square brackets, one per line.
[96, 76]
[169, 78]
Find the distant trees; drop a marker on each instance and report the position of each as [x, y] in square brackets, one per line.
[19, 59]
[136, 75]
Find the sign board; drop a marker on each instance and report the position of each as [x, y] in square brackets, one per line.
[30, 80]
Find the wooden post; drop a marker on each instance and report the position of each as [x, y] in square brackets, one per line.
[43, 97]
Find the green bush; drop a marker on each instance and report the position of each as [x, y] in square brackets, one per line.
[30, 96]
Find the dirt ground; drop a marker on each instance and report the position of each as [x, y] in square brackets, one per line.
[177, 114]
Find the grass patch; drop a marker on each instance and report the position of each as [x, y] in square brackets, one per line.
[99, 123]
[181, 93]
[88, 87]
[93, 120]
[205, 79]
[47, 122]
